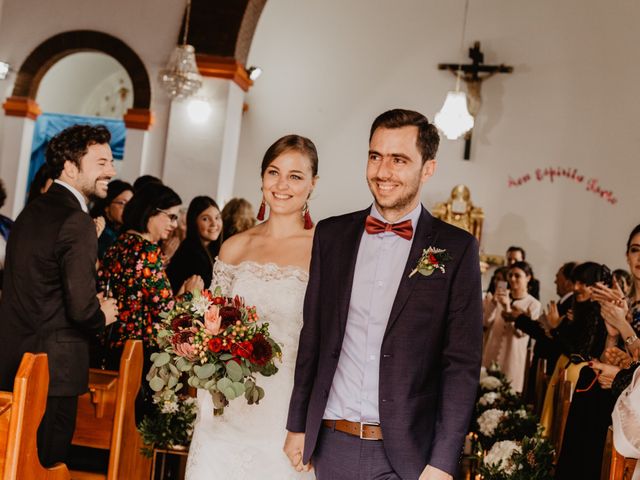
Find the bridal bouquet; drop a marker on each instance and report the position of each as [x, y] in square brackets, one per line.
[215, 342]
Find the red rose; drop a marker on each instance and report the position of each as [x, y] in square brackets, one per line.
[242, 349]
[432, 259]
[215, 344]
[218, 300]
[262, 352]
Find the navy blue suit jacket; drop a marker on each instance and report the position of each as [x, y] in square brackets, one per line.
[431, 351]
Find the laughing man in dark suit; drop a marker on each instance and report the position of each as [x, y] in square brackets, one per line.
[389, 354]
[49, 302]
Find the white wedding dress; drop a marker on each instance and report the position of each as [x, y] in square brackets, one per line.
[246, 441]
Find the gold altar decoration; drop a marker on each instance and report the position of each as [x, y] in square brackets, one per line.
[458, 210]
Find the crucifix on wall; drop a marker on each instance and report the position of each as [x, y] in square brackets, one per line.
[474, 74]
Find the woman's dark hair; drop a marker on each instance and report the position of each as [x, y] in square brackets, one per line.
[289, 143]
[590, 273]
[196, 207]
[71, 144]
[115, 188]
[3, 193]
[145, 204]
[38, 182]
[524, 266]
[428, 138]
[634, 232]
[144, 180]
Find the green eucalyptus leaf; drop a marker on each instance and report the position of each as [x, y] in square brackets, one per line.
[239, 388]
[234, 371]
[162, 359]
[225, 356]
[183, 364]
[156, 384]
[229, 393]
[204, 371]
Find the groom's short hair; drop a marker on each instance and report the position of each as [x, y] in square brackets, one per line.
[428, 138]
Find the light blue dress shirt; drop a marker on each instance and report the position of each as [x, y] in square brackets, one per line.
[379, 267]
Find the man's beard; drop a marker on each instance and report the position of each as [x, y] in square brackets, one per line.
[92, 191]
[399, 203]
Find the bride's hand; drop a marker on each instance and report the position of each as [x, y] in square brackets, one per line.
[293, 448]
[191, 284]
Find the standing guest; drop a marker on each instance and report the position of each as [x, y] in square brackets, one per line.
[144, 180]
[197, 252]
[40, 184]
[5, 227]
[133, 267]
[623, 279]
[237, 216]
[517, 254]
[389, 357]
[506, 344]
[50, 303]
[118, 195]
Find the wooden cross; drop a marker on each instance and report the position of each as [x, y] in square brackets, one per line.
[473, 75]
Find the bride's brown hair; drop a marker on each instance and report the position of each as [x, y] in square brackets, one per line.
[289, 143]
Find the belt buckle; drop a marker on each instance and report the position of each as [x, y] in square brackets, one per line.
[365, 424]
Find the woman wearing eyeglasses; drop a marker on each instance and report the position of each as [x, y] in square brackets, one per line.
[133, 268]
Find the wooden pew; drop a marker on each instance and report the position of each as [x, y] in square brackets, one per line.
[614, 465]
[542, 382]
[20, 416]
[106, 419]
[562, 404]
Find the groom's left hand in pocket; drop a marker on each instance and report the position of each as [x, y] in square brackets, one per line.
[293, 448]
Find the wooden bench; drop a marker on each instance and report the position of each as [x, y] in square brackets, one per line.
[106, 419]
[562, 404]
[614, 465]
[542, 382]
[20, 416]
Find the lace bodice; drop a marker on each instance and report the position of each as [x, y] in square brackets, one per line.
[277, 293]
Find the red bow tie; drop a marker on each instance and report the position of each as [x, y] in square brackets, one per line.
[402, 229]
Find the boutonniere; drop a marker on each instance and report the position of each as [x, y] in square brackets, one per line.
[432, 258]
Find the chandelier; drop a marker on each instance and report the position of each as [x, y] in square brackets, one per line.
[181, 78]
[454, 119]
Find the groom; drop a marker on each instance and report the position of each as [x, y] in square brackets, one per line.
[389, 358]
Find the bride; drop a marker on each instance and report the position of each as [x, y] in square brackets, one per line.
[267, 265]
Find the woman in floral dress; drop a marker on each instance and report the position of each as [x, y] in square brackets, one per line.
[133, 271]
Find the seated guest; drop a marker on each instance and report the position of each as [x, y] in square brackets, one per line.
[197, 252]
[506, 344]
[237, 216]
[111, 208]
[517, 254]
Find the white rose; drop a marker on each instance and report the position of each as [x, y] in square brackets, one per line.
[488, 398]
[490, 383]
[489, 421]
[500, 456]
[483, 373]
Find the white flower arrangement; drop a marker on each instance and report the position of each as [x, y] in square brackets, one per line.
[200, 304]
[500, 456]
[489, 421]
[489, 398]
[490, 383]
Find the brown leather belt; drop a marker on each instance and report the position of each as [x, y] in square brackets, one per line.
[365, 431]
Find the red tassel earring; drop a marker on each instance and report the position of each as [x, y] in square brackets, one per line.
[308, 223]
[263, 207]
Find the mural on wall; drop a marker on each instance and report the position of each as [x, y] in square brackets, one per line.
[551, 174]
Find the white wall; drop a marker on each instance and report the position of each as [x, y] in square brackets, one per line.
[79, 83]
[330, 67]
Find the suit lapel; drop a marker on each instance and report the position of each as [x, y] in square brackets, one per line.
[351, 235]
[425, 236]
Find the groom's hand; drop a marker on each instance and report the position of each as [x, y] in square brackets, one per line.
[293, 448]
[433, 473]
